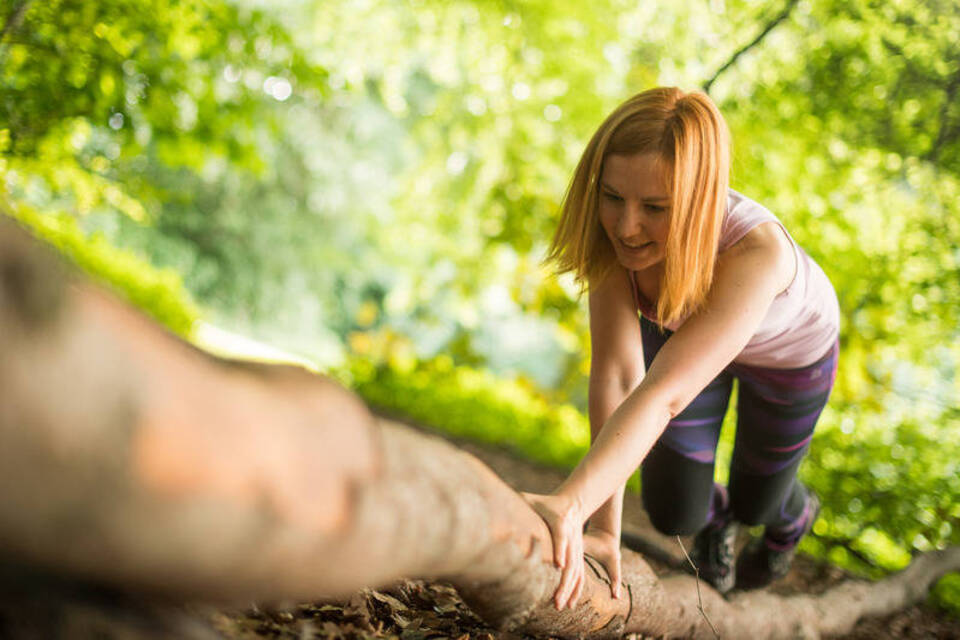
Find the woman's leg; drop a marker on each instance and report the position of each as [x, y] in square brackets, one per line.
[777, 410]
[677, 475]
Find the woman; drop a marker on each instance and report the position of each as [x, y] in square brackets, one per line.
[649, 224]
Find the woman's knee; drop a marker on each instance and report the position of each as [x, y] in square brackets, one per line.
[672, 515]
[676, 491]
[756, 499]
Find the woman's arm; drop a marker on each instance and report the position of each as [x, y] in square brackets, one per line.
[616, 368]
[748, 277]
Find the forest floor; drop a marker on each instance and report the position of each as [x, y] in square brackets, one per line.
[33, 607]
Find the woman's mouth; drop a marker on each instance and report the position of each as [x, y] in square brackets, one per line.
[634, 248]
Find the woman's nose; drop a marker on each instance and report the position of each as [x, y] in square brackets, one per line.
[631, 220]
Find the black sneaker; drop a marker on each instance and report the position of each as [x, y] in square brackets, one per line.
[713, 555]
[764, 561]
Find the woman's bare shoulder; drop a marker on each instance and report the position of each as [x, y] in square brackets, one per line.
[769, 243]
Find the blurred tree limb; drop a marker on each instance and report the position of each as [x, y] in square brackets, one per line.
[739, 52]
[12, 23]
[15, 18]
[948, 129]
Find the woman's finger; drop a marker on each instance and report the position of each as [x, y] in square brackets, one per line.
[582, 578]
[560, 597]
[614, 572]
[575, 559]
[568, 578]
[577, 590]
[563, 590]
[559, 548]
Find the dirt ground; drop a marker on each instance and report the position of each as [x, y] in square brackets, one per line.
[35, 607]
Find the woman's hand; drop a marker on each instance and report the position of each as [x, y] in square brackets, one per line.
[605, 547]
[565, 519]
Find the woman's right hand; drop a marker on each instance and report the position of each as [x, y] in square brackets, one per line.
[605, 547]
[565, 520]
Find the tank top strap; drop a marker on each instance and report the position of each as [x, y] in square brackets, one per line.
[741, 217]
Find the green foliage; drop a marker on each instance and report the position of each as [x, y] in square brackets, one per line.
[887, 493]
[472, 403]
[158, 292]
[946, 593]
[142, 119]
[157, 74]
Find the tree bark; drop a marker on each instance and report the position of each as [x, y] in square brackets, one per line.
[130, 457]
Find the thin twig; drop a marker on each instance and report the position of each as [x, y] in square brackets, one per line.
[696, 572]
[770, 25]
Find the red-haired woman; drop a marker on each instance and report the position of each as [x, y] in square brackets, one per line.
[649, 224]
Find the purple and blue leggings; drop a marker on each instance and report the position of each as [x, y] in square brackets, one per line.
[777, 410]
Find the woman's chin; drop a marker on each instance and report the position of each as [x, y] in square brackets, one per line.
[637, 262]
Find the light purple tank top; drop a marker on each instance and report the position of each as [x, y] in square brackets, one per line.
[802, 322]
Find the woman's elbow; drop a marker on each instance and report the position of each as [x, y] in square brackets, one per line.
[628, 380]
[676, 401]
[620, 378]
[665, 401]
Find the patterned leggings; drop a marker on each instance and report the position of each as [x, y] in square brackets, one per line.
[777, 410]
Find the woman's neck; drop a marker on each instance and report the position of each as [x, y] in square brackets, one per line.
[648, 282]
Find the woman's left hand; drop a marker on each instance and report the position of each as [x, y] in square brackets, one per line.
[565, 519]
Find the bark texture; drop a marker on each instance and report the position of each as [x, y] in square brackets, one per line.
[129, 457]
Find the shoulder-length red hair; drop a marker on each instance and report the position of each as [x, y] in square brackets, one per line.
[688, 134]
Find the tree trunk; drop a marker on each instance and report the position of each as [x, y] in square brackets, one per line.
[130, 457]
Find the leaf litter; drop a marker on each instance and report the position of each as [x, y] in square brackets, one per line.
[411, 610]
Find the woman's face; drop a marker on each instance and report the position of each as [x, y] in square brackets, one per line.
[635, 209]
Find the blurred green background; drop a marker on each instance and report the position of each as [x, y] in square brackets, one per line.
[370, 185]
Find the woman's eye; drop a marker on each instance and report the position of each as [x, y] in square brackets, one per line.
[656, 208]
[612, 197]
